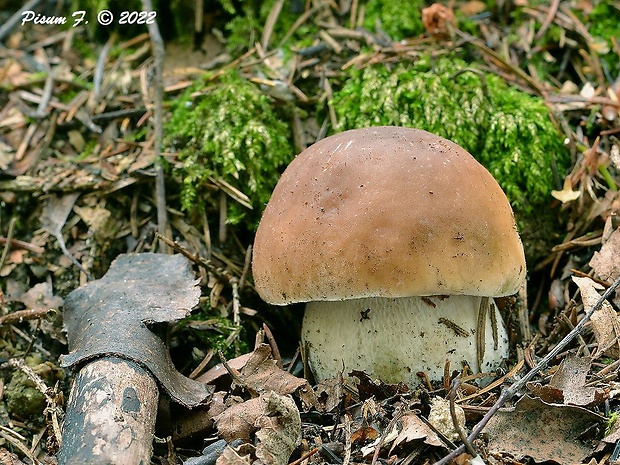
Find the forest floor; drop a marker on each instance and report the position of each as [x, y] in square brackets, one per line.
[89, 171]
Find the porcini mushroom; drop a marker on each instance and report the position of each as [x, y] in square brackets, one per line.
[398, 240]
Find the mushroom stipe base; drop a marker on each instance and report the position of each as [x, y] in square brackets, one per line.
[394, 338]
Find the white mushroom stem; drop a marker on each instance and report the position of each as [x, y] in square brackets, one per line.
[394, 338]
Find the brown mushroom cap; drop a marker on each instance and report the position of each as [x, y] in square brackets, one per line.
[386, 212]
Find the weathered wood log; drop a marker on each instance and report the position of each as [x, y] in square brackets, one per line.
[111, 415]
[113, 403]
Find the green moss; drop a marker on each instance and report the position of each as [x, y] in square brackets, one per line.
[602, 24]
[230, 131]
[398, 19]
[207, 329]
[22, 397]
[508, 131]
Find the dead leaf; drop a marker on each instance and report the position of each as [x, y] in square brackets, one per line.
[544, 432]
[241, 455]
[568, 384]
[329, 393]
[606, 262]
[546, 393]
[377, 389]
[275, 421]
[40, 297]
[364, 434]
[8, 458]
[56, 211]
[53, 218]
[96, 217]
[280, 429]
[262, 374]
[605, 324]
[412, 429]
[216, 373]
[473, 7]
[239, 420]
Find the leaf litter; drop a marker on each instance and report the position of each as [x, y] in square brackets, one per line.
[78, 158]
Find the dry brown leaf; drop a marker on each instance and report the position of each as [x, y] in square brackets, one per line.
[262, 374]
[606, 262]
[8, 458]
[568, 384]
[413, 428]
[473, 7]
[55, 213]
[241, 455]
[279, 429]
[605, 322]
[544, 432]
[97, 218]
[364, 434]
[41, 297]
[369, 387]
[330, 393]
[571, 379]
[275, 420]
[546, 393]
[238, 421]
[216, 373]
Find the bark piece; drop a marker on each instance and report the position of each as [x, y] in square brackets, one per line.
[109, 316]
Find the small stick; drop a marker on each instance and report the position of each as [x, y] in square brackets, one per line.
[13, 20]
[158, 64]
[397, 416]
[347, 439]
[7, 244]
[235, 375]
[21, 315]
[307, 455]
[246, 266]
[274, 346]
[201, 366]
[17, 244]
[517, 385]
[455, 421]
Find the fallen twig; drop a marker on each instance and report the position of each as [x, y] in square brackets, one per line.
[13, 20]
[509, 392]
[158, 85]
[21, 315]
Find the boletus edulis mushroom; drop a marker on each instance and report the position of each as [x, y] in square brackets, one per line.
[398, 240]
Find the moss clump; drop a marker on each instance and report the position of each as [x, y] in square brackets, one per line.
[23, 398]
[232, 131]
[508, 131]
[398, 19]
[602, 23]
